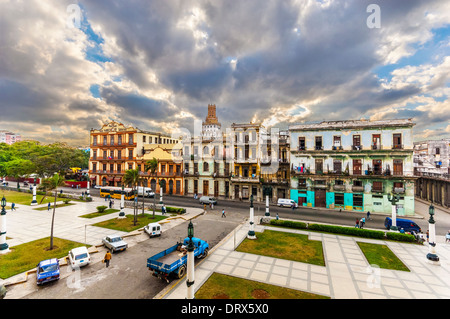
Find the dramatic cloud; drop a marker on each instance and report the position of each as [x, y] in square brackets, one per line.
[158, 64]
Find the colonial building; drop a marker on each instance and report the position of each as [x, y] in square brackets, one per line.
[432, 157]
[353, 165]
[207, 160]
[115, 148]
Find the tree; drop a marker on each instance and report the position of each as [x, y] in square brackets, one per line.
[53, 183]
[152, 166]
[18, 168]
[132, 179]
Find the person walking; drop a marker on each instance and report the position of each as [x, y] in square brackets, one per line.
[447, 237]
[13, 206]
[357, 223]
[107, 258]
[110, 203]
[368, 215]
[163, 209]
[363, 222]
[428, 235]
[48, 206]
[277, 217]
[223, 213]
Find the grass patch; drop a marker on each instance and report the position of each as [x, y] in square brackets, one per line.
[127, 225]
[381, 256]
[26, 256]
[23, 198]
[97, 214]
[51, 207]
[296, 247]
[220, 286]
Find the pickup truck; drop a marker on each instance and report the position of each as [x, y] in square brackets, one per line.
[173, 260]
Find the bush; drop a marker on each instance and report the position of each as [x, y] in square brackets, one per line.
[366, 233]
[400, 237]
[175, 210]
[289, 224]
[101, 209]
[66, 201]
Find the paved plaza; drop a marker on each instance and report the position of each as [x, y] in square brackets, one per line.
[347, 274]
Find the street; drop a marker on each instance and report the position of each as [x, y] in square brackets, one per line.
[127, 277]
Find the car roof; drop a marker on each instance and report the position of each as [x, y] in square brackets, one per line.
[81, 249]
[49, 262]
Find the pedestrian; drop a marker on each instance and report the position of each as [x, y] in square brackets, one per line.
[163, 209]
[60, 191]
[110, 203]
[223, 213]
[447, 237]
[48, 206]
[428, 235]
[363, 221]
[368, 215]
[277, 217]
[204, 208]
[293, 206]
[357, 223]
[13, 206]
[107, 258]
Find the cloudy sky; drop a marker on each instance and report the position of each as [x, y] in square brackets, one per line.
[67, 66]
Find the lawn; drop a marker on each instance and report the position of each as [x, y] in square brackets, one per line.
[381, 256]
[22, 198]
[220, 286]
[296, 247]
[52, 204]
[26, 256]
[97, 214]
[127, 225]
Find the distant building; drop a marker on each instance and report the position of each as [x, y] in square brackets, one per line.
[9, 137]
[211, 127]
[116, 148]
[353, 165]
[432, 157]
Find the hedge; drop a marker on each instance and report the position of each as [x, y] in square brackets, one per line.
[352, 231]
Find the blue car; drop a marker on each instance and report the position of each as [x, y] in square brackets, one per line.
[407, 224]
[47, 270]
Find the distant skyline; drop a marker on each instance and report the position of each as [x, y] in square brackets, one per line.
[67, 67]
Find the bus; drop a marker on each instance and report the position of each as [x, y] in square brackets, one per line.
[116, 192]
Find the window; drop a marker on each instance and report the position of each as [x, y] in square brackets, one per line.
[301, 144]
[339, 199]
[336, 143]
[377, 186]
[319, 166]
[438, 151]
[357, 200]
[130, 154]
[337, 166]
[356, 142]
[205, 167]
[302, 183]
[376, 142]
[119, 139]
[357, 165]
[397, 141]
[318, 141]
[144, 139]
[398, 167]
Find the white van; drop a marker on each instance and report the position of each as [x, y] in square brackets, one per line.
[286, 202]
[153, 229]
[147, 191]
[79, 257]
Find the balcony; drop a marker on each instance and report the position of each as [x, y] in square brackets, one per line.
[244, 179]
[377, 147]
[358, 189]
[337, 148]
[397, 147]
[356, 147]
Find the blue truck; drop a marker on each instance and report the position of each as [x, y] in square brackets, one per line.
[172, 262]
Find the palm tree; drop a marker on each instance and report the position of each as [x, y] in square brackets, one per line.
[53, 183]
[152, 166]
[132, 179]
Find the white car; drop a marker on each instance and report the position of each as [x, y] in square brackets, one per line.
[79, 257]
[114, 243]
[153, 229]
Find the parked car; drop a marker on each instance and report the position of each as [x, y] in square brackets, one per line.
[153, 229]
[208, 200]
[147, 190]
[114, 243]
[79, 257]
[407, 224]
[286, 202]
[47, 270]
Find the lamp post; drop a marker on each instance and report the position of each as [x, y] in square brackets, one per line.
[251, 232]
[4, 248]
[160, 194]
[34, 201]
[87, 190]
[431, 256]
[122, 203]
[190, 263]
[394, 198]
[267, 214]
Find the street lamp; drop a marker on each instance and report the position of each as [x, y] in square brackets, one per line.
[4, 248]
[251, 232]
[122, 203]
[431, 256]
[34, 201]
[394, 198]
[190, 262]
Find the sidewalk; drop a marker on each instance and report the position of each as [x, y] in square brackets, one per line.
[26, 224]
[347, 274]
